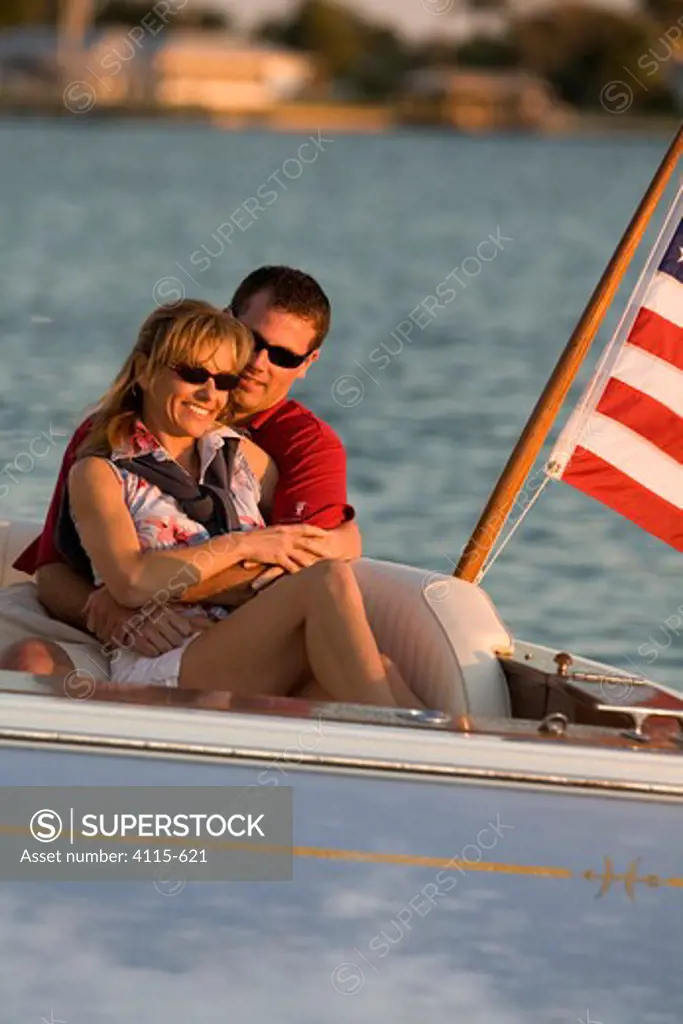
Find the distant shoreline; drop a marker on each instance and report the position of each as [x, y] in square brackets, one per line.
[341, 117]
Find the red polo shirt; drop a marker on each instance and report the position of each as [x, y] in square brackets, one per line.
[308, 454]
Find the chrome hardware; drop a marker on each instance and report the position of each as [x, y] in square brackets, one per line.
[555, 724]
[640, 715]
[563, 660]
[427, 718]
[636, 735]
[596, 677]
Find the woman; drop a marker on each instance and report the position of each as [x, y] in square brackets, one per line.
[162, 427]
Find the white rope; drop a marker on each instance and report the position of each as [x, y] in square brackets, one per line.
[511, 532]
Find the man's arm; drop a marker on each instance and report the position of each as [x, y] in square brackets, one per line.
[346, 542]
[64, 593]
[234, 586]
[231, 587]
[43, 550]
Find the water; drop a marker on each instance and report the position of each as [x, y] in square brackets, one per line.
[93, 216]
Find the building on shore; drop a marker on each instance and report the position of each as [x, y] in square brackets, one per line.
[475, 100]
[209, 71]
[183, 69]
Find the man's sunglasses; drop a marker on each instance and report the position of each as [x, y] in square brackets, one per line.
[200, 375]
[277, 354]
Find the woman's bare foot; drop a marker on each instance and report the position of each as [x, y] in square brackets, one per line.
[403, 695]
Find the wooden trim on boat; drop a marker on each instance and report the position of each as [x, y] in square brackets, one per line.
[587, 725]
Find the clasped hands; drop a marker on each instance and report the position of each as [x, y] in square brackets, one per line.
[151, 633]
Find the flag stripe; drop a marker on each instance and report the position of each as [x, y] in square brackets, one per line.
[645, 416]
[635, 457]
[652, 376]
[659, 337]
[624, 443]
[664, 296]
[602, 481]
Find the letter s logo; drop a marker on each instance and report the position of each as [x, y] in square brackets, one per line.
[46, 826]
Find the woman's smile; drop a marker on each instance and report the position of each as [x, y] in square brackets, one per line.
[192, 416]
[198, 410]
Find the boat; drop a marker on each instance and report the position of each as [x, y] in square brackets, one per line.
[510, 854]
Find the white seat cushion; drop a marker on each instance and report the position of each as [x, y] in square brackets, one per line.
[442, 633]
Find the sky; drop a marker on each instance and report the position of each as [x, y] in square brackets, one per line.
[414, 17]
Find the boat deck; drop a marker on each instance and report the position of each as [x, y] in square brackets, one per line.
[582, 726]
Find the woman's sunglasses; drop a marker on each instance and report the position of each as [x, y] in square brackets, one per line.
[199, 375]
[277, 354]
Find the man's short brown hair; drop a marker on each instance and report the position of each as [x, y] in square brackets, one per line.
[291, 291]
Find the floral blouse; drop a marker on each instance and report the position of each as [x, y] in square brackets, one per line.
[159, 520]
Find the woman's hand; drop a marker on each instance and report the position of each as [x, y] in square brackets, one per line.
[293, 547]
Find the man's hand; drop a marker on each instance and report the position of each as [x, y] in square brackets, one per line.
[149, 635]
[292, 546]
[232, 587]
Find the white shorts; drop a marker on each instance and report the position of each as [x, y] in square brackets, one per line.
[22, 616]
[164, 670]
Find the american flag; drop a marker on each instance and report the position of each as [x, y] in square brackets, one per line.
[623, 444]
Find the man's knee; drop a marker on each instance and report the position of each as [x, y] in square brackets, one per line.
[39, 657]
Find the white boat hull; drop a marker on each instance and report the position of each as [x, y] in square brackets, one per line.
[416, 894]
[513, 858]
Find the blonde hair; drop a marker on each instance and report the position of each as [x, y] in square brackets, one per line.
[170, 335]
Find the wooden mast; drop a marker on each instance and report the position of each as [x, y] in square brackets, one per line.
[546, 409]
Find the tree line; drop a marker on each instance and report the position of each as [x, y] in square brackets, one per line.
[108, 12]
[578, 47]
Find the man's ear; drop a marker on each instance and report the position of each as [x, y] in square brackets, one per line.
[313, 358]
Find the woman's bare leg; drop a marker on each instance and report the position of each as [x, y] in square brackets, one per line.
[313, 621]
[403, 695]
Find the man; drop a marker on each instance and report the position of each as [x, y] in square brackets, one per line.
[289, 316]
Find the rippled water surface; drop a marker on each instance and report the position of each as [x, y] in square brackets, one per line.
[93, 216]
